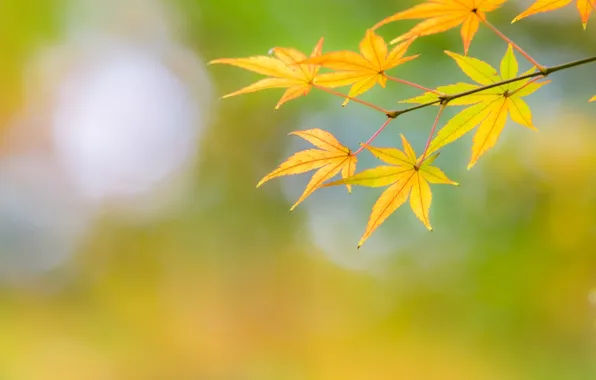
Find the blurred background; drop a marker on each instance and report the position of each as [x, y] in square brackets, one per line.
[134, 245]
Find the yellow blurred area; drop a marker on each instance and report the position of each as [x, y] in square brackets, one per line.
[192, 323]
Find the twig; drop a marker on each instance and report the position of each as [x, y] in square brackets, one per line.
[374, 136]
[412, 84]
[513, 44]
[446, 99]
[370, 105]
[430, 136]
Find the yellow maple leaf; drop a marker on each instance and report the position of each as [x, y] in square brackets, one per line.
[593, 99]
[488, 108]
[585, 8]
[442, 15]
[283, 70]
[330, 159]
[363, 70]
[405, 177]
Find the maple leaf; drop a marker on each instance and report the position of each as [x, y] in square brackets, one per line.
[442, 15]
[283, 70]
[585, 8]
[405, 178]
[330, 159]
[593, 99]
[488, 108]
[363, 70]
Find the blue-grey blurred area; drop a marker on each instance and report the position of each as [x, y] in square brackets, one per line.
[134, 244]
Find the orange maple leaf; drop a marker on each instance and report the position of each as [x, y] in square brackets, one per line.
[331, 158]
[442, 15]
[585, 8]
[407, 178]
[282, 69]
[363, 70]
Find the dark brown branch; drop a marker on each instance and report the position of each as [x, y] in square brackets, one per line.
[446, 99]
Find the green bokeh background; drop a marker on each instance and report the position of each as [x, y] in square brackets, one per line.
[236, 288]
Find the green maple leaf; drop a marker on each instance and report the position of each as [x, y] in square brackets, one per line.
[488, 108]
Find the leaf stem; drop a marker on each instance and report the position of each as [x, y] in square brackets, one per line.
[513, 44]
[374, 136]
[525, 85]
[432, 133]
[365, 103]
[412, 84]
[446, 99]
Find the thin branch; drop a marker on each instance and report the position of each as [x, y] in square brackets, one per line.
[374, 136]
[568, 65]
[446, 99]
[513, 44]
[432, 133]
[412, 84]
[370, 105]
[443, 100]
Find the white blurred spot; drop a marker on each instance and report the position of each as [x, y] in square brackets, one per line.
[123, 124]
[113, 115]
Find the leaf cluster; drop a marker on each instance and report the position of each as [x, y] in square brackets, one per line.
[492, 96]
